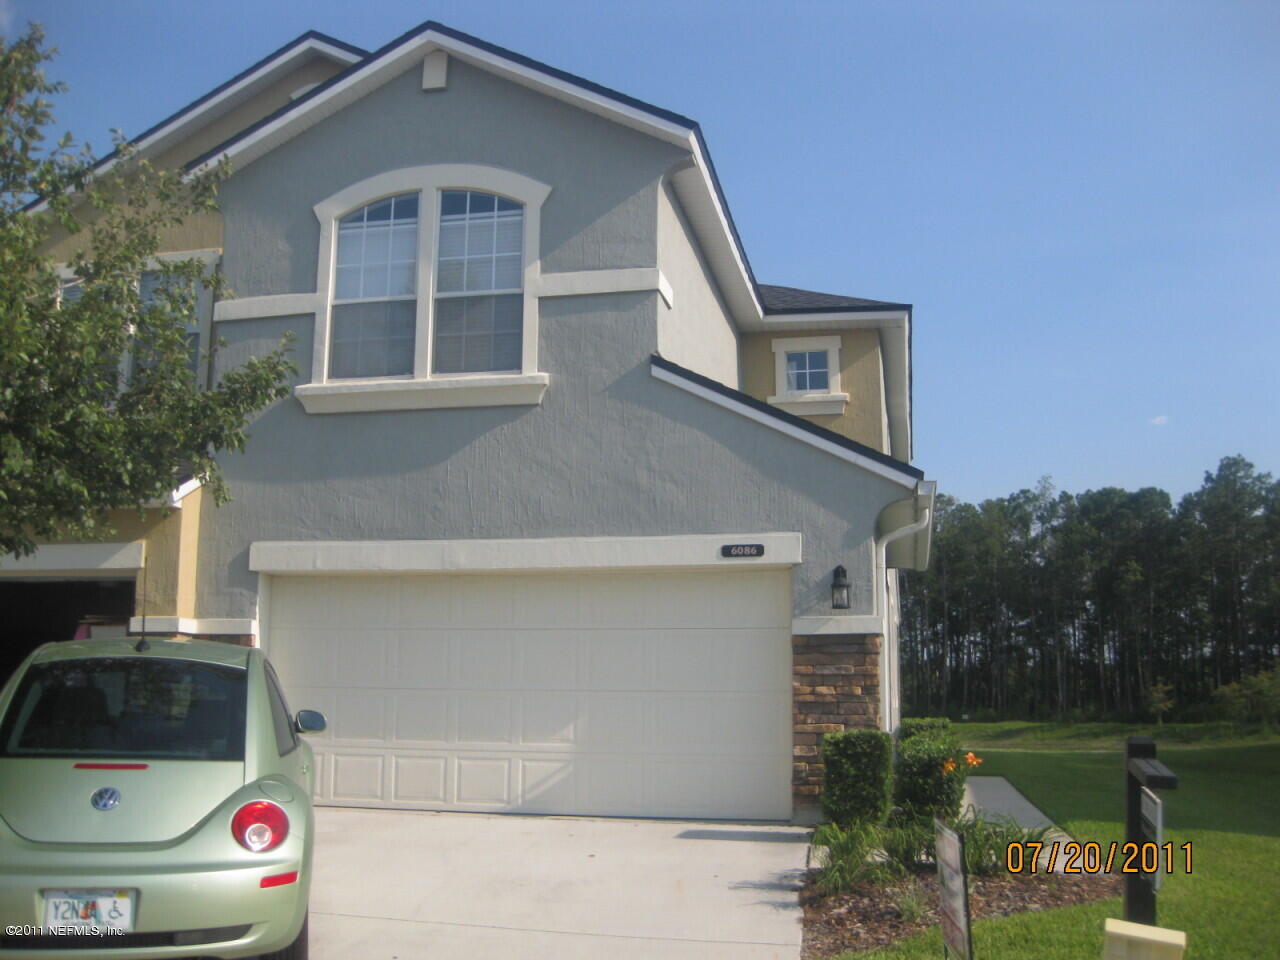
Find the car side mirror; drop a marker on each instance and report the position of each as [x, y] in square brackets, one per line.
[309, 721]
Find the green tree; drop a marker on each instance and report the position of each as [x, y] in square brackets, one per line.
[76, 441]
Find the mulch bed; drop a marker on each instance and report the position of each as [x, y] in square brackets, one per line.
[871, 916]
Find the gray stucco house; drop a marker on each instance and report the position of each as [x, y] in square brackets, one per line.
[552, 520]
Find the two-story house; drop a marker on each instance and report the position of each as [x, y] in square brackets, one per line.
[567, 512]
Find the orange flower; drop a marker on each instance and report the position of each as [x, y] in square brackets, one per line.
[971, 759]
[948, 766]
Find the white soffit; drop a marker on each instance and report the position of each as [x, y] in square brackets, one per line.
[558, 553]
[77, 558]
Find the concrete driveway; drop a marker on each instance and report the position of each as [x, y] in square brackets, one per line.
[392, 885]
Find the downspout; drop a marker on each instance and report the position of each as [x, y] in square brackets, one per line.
[889, 657]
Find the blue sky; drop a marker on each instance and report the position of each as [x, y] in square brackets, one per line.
[1082, 200]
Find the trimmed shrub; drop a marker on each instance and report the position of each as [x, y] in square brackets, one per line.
[929, 779]
[917, 725]
[858, 776]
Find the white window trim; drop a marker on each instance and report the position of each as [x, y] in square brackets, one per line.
[808, 403]
[423, 388]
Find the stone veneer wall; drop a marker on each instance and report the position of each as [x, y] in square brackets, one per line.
[835, 686]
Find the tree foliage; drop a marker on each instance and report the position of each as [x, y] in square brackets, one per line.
[76, 438]
[1110, 603]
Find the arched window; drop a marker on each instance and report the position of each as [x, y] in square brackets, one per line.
[375, 290]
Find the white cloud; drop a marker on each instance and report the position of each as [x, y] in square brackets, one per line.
[1159, 421]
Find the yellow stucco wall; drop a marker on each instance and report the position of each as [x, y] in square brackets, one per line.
[861, 377]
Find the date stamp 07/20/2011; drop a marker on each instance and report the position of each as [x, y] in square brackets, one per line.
[1115, 857]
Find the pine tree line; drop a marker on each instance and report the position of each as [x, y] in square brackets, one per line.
[1045, 605]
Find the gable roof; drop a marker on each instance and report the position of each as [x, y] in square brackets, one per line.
[226, 96]
[793, 300]
[751, 300]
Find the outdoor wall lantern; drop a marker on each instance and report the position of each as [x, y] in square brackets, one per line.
[840, 589]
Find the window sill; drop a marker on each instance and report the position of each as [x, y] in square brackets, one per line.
[366, 396]
[811, 404]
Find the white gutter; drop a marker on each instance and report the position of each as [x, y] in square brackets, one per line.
[880, 597]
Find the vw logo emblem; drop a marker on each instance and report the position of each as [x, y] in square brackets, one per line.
[105, 799]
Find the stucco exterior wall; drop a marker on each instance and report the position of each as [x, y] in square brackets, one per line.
[601, 214]
[861, 376]
[696, 331]
[611, 451]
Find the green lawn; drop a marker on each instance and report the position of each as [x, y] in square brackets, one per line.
[1227, 806]
[1029, 735]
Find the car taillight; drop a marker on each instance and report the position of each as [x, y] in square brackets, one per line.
[260, 826]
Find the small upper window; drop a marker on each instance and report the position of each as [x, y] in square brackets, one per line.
[375, 290]
[479, 305]
[807, 371]
[807, 376]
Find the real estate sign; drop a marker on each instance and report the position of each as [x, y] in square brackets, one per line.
[953, 885]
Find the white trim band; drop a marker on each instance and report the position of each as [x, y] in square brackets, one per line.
[195, 626]
[557, 553]
[578, 283]
[815, 626]
[367, 396]
[843, 453]
[77, 558]
[275, 305]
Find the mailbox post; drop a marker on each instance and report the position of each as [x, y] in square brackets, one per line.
[1141, 769]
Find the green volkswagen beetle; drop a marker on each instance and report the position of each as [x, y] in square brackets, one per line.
[155, 801]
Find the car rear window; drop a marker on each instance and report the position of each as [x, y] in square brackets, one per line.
[127, 707]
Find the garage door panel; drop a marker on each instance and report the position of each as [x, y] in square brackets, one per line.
[420, 717]
[361, 658]
[549, 660]
[548, 786]
[548, 718]
[359, 716]
[484, 780]
[481, 602]
[420, 780]
[357, 776]
[541, 603]
[618, 660]
[420, 657]
[615, 722]
[484, 661]
[484, 719]
[627, 695]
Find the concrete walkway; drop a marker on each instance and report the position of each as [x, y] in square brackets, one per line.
[997, 797]
[391, 885]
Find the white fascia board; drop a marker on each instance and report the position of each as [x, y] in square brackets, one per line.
[194, 626]
[182, 492]
[227, 100]
[820, 626]
[557, 553]
[843, 453]
[77, 558]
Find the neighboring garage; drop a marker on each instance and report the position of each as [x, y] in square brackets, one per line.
[622, 692]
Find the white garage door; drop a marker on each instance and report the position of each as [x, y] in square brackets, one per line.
[628, 694]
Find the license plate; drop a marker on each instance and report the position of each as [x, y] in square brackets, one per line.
[109, 909]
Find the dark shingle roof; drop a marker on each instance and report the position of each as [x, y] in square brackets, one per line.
[791, 300]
